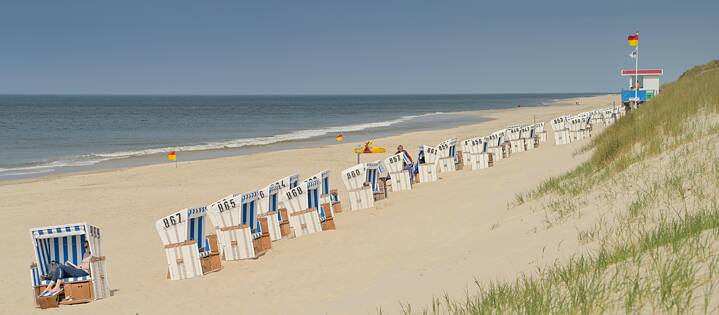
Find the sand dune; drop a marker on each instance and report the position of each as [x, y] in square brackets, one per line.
[412, 246]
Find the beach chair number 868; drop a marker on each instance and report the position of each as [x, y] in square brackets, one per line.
[169, 221]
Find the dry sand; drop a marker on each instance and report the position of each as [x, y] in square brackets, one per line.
[412, 246]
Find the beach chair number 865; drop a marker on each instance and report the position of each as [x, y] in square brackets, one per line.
[227, 205]
[169, 221]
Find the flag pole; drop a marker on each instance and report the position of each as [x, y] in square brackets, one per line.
[636, 74]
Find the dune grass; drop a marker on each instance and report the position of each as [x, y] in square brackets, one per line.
[685, 110]
[661, 254]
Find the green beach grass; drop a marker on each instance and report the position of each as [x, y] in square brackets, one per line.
[657, 250]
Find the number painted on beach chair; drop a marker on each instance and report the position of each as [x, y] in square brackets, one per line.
[172, 220]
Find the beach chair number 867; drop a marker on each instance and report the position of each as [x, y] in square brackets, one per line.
[169, 221]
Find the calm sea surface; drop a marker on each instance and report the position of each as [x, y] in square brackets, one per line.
[40, 135]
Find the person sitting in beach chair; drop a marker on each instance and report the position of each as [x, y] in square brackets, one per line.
[407, 166]
[69, 265]
[67, 270]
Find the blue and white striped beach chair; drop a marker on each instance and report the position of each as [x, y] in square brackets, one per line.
[494, 146]
[303, 207]
[267, 206]
[401, 178]
[427, 167]
[528, 136]
[478, 156]
[361, 183]
[284, 185]
[184, 236]
[516, 143]
[65, 243]
[327, 196]
[540, 133]
[242, 234]
[560, 127]
[447, 151]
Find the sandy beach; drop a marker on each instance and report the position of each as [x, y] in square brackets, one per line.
[436, 239]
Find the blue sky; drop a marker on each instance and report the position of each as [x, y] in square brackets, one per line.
[343, 47]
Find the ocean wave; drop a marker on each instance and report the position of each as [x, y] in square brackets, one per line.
[94, 158]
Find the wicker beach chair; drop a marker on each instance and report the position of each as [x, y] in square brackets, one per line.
[65, 243]
[361, 183]
[267, 206]
[241, 231]
[447, 151]
[270, 199]
[477, 151]
[400, 177]
[428, 164]
[303, 207]
[188, 249]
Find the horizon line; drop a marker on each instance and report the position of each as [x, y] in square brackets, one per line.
[290, 94]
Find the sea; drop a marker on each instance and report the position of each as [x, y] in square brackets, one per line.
[42, 135]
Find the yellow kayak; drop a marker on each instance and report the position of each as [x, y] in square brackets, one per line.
[368, 149]
[371, 150]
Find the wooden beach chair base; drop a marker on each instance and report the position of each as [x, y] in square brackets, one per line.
[262, 244]
[77, 293]
[285, 229]
[337, 207]
[490, 159]
[460, 165]
[48, 301]
[273, 225]
[328, 224]
[211, 263]
[214, 245]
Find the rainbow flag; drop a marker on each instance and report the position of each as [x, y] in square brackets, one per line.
[633, 40]
[172, 156]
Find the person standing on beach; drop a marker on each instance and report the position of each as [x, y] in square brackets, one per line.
[410, 166]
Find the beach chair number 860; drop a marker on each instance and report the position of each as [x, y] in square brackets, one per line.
[169, 221]
[353, 174]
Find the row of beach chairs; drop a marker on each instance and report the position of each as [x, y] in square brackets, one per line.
[244, 225]
[368, 182]
[571, 128]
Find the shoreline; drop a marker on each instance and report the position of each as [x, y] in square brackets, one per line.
[286, 146]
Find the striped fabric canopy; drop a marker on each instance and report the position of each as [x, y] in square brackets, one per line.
[312, 186]
[373, 172]
[249, 212]
[184, 225]
[60, 244]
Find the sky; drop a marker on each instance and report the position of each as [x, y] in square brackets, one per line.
[344, 47]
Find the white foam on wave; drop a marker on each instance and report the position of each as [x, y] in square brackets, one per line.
[91, 159]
